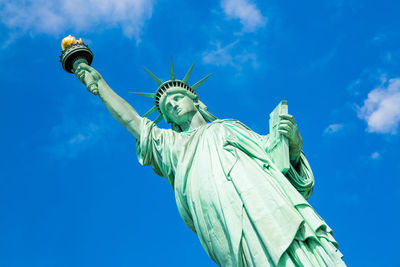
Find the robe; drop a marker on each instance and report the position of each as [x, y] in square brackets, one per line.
[244, 211]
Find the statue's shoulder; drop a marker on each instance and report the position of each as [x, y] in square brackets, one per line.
[231, 122]
[225, 121]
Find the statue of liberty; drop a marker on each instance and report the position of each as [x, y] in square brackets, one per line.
[228, 187]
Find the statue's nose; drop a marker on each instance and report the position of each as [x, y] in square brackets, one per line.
[174, 104]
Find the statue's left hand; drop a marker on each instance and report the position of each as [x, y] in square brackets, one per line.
[288, 127]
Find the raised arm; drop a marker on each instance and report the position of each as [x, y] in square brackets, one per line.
[118, 107]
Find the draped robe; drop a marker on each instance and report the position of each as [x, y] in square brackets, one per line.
[229, 192]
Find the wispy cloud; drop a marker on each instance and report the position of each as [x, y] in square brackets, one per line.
[229, 56]
[322, 61]
[70, 138]
[77, 133]
[381, 109]
[333, 128]
[375, 155]
[248, 14]
[56, 17]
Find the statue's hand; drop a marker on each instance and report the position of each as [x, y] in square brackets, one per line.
[89, 77]
[288, 127]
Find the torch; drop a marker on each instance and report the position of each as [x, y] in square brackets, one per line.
[74, 53]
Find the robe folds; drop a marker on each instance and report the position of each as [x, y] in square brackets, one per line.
[229, 192]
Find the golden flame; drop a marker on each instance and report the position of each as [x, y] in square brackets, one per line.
[68, 41]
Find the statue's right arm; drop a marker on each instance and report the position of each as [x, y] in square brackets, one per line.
[119, 108]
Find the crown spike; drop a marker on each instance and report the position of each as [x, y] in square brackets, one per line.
[149, 95]
[158, 119]
[151, 111]
[172, 71]
[196, 85]
[158, 81]
[186, 78]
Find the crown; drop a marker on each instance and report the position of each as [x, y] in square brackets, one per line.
[172, 84]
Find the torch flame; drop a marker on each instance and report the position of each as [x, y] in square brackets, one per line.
[68, 41]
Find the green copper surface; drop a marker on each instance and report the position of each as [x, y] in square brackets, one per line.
[187, 76]
[158, 119]
[149, 95]
[172, 71]
[243, 194]
[158, 81]
[197, 85]
[278, 147]
[151, 111]
[174, 85]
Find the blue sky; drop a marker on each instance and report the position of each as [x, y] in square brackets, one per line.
[72, 192]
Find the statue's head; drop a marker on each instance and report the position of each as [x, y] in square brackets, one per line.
[178, 106]
[177, 101]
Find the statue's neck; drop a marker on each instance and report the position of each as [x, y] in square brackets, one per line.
[196, 121]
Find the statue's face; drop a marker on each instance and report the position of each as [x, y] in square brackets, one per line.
[180, 108]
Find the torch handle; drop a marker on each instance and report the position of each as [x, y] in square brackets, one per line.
[91, 85]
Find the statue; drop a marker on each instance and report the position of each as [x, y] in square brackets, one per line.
[242, 193]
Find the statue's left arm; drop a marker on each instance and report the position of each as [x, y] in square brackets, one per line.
[301, 176]
[288, 128]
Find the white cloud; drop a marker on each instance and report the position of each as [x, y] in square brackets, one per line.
[375, 155]
[227, 56]
[56, 17]
[381, 110]
[248, 14]
[333, 128]
[219, 56]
